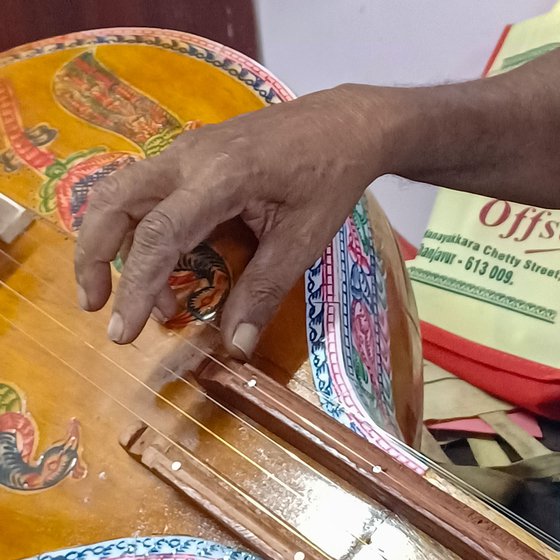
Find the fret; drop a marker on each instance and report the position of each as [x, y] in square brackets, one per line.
[378, 475]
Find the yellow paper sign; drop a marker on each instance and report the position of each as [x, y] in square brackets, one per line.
[489, 270]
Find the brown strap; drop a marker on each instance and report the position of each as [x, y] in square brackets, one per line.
[432, 449]
[488, 453]
[545, 466]
[523, 443]
[454, 398]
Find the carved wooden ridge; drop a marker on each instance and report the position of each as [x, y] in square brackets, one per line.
[452, 523]
[216, 496]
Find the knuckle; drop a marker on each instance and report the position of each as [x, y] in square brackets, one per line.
[105, 195]
[266, 292]
[156, 229]
[79, 259]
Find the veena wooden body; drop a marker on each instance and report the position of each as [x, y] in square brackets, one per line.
[166, 436]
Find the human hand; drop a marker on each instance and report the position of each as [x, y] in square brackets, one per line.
[291, 172]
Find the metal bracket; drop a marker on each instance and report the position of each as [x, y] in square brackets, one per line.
[14, 219]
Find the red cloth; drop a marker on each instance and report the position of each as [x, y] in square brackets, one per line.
[522, 382]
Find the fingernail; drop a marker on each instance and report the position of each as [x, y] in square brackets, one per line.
[82, 298]
[159, 316]
[116, 327]
[245, 338]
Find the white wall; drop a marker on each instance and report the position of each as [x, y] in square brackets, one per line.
[316, 44]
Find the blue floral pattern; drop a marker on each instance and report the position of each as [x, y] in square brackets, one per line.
[349, 283]
[150, 548]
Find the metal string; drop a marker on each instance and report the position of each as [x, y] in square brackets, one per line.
[175, 444]
[154, 392]
[180, 410]
[224, 366]
[94, 319]
[184, 339]
[332, 400]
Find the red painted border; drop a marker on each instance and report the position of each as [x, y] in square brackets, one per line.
[496, 50]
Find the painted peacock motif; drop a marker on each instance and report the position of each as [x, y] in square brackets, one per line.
[18, 443]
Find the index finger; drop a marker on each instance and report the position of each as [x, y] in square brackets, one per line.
[115, 205]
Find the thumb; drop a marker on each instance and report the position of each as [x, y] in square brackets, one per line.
[274, 269]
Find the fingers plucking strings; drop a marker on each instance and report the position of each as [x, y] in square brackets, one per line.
[169, 403]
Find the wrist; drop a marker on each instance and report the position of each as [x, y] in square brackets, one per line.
[371, 117]
[496, 136]
[447, 134]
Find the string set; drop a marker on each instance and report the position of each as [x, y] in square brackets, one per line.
[335, 402]
[167, 401]
[184, 339]
[179, 336]
[170, 440]
[295, 381]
